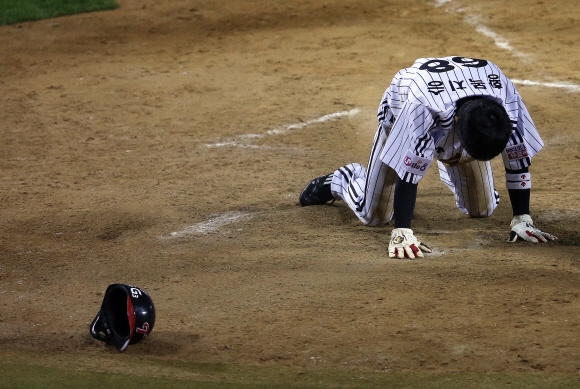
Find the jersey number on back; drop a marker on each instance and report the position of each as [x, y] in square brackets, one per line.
[442, 65]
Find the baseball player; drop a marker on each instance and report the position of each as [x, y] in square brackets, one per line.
[460, 111]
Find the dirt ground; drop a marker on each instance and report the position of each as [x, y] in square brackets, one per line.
[164, 144]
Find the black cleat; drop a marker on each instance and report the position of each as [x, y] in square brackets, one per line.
[317, 192]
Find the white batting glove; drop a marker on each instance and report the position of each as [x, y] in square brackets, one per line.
[404, 244]
[523, 228]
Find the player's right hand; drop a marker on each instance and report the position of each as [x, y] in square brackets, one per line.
[404, 244]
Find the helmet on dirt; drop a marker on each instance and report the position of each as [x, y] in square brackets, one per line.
[127, 315]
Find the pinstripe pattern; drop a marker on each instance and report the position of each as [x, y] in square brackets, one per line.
[369, 193]
[472, 185]
[417, 113]
[421, 104]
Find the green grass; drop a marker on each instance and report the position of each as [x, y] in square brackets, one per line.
[18, 375]
[15, 11]
[31, 377]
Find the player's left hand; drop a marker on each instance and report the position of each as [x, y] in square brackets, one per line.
[523, 228]
[404, 244]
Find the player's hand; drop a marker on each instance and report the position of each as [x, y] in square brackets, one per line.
[404, 244]
[523, 228]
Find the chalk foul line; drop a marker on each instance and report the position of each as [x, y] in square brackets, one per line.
[210, 226]
[501, 42]
[562, 85]
[241, 140]
[439, 3]
[322, 119]
[474, 21]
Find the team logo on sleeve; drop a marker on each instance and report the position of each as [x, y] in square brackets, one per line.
[415, 164]
[515, 152]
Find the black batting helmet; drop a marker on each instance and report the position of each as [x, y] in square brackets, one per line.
[127, 315]
[483, 127]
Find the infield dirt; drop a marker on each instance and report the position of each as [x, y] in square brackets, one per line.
[164, 144]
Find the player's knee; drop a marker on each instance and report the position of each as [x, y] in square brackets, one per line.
[481, 213]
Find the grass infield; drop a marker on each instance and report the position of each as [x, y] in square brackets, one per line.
[15, 11]
[177, 375]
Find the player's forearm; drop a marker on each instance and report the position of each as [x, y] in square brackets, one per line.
[519, 198]
[404, 203]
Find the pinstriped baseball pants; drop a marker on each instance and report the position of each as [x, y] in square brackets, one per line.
[370, 193]
[472, 185]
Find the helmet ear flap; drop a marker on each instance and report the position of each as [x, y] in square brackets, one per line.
[100, 327]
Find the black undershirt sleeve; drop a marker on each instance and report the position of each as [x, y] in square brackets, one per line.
[519, 198]
[404, 203]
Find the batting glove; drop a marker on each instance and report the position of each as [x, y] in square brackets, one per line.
[523, 228]
[404, 244]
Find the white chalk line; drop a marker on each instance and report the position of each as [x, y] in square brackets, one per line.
[212, 225]
[241, 140]
[232, 144]
[439, 3]
[502, 43]
[562, 85]
[322, 119]
[474, 21]
[215, 222]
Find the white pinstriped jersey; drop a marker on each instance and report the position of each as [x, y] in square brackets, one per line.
[418, 109]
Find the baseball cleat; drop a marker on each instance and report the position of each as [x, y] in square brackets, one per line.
[317, 192]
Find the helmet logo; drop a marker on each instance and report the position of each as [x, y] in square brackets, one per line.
[144, 330]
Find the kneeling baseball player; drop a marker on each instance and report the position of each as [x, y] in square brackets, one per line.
[462, 112]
